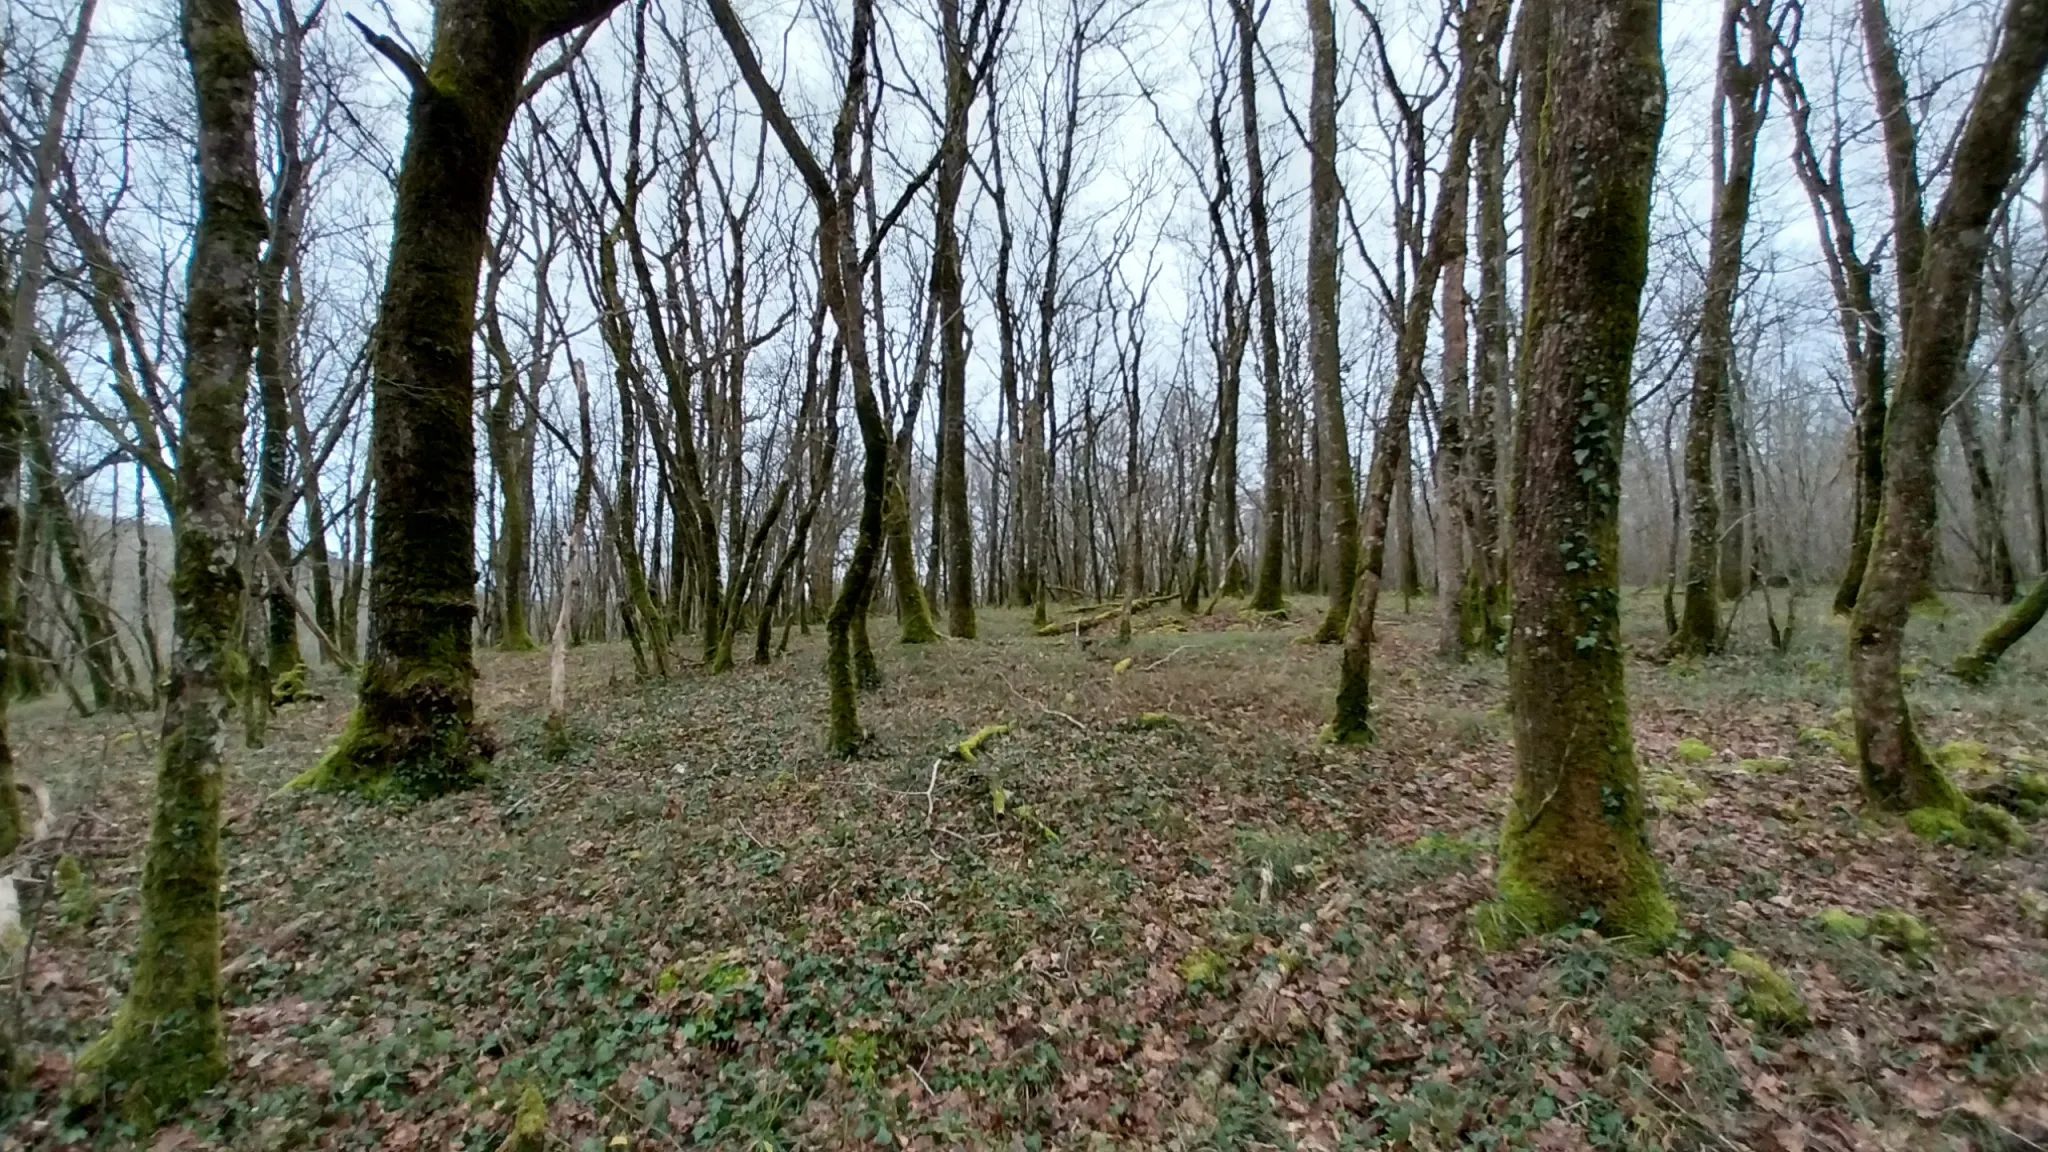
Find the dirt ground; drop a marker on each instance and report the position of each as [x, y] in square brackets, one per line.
[1155, 912]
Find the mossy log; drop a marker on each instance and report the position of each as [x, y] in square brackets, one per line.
[1975, 667]
[1104, 615]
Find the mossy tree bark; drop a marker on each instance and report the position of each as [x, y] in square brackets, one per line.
[413, 729]
[1741, 97]
[1325, 199]
[167, 1044]
[1947, 263]
[1575, 846]
[2008, 630]
[1268, 592]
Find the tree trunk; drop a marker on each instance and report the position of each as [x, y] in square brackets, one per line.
[1740, 97]
[414, 725]
[1575, 847]
[1454, 625]
[952, 495]
[34, 254]
[167, 1044]
[1898, 773]
[1352, 722]
[1995, 575]
[1486, 594]
[1268, 588]
[1340, 497]
[101, 646]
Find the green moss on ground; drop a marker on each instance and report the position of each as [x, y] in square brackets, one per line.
[1765, 765]
[1673, 792]
[1973, 825]
[1843, 746]
[1901, 932]
[1843, 923]
[1204, 969]
[1766, 997]
[1691, 751]
[1966, 756]
[529, 1123]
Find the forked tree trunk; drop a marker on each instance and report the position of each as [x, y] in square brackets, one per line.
[167, 1044]
[414, 725]
[1898, 773]
[1575, 845]
[1740, 97]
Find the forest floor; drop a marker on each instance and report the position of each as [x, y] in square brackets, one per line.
[698, 930]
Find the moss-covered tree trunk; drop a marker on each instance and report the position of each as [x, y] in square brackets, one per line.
[1898, 773]
[1268, 589]
[1325, 203]
[1575, 845]
[167, 1044]
[913, 611]
[1740, 94]
[2010, 628]
[834, 196]
[413, 729]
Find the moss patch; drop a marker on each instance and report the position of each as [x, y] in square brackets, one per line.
[1673, 792]
[529, 1123]
[1691, 751]
[1843, 746]
[1843, 923]
[1204, 969]
[1766, 997]
[1765, 765]
[1966, 756]
[1901, 932]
